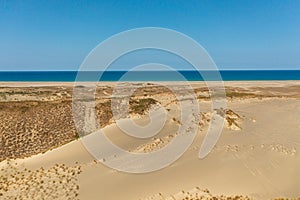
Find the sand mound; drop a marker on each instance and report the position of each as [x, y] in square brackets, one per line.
[232, 119]
[155, 144]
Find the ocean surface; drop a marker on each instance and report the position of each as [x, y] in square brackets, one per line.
[226, 75]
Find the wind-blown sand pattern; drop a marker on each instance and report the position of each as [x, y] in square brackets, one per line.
[256, 157]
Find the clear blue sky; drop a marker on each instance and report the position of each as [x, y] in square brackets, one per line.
[57, 35]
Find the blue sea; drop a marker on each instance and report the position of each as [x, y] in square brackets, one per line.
[227, 75]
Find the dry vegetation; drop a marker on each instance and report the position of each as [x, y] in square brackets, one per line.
[36, 119]
[31, 127]
[28, 128]
[57, 182]
[197, 194]
[140, 106]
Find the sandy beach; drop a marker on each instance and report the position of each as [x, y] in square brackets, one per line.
[256, 157]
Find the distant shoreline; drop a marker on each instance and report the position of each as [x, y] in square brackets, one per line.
[144, 76]
[266, 83]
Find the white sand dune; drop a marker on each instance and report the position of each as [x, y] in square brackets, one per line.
[260, 159]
